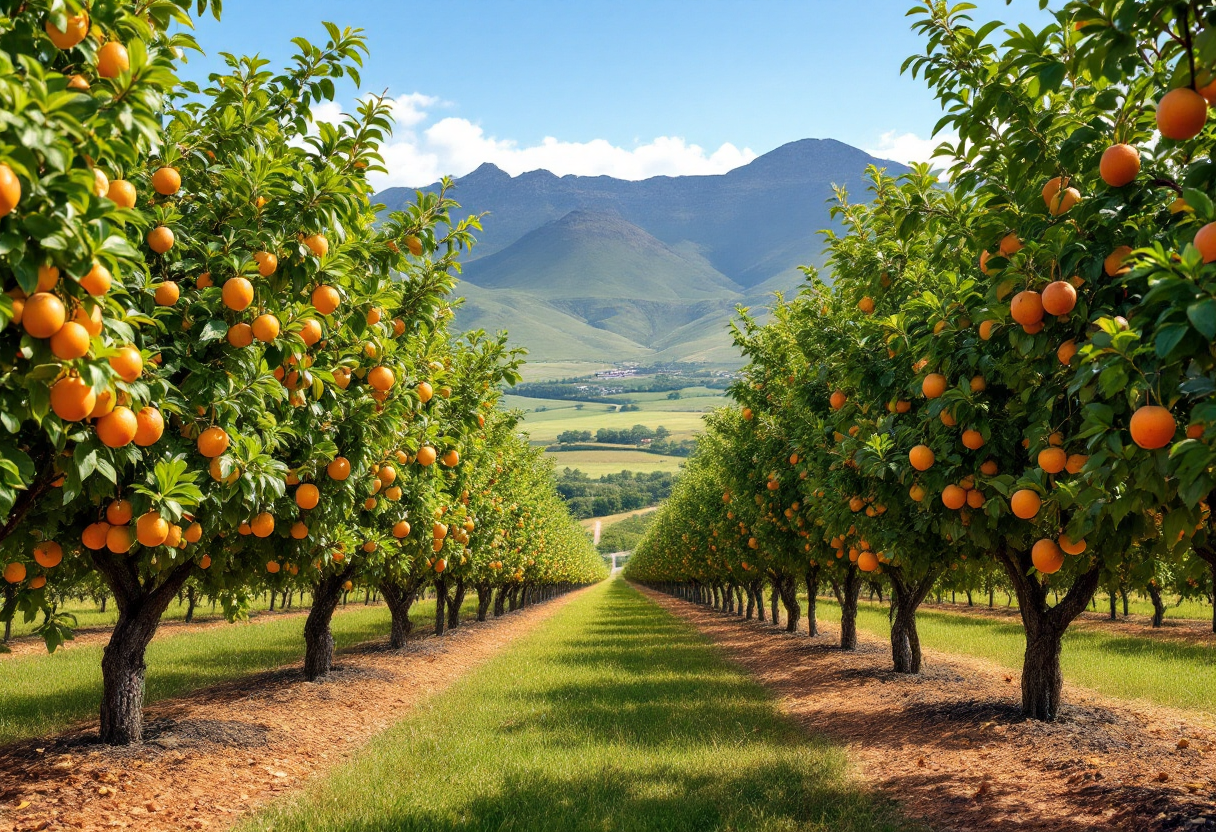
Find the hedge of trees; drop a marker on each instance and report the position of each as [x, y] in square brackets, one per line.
[1012, 367]
[217, 367]
[612, 493]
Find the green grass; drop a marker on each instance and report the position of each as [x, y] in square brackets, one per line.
[612, 715]
[558, 370]
[43, 693]
[1189, 609]
[1154, 670]
[597, 463]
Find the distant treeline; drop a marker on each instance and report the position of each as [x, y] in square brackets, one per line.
[623, 536]
[655, 440]
[569, 389]
[612, 493]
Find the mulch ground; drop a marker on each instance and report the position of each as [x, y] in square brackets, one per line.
[951, 746]
[217, 754]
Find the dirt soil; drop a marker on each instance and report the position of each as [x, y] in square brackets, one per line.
[219, 753]
[952, 747]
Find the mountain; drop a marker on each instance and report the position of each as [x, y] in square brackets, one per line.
[573, 264]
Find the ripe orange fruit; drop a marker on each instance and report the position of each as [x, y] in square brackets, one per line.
[112, 60]
[117, 428]
[167, 293]
[989, 468]
[921, 457]
[119, 539]
[1113, 264]
[973, 439]
[307, 496]
[1046, 556]
[160, 239]
[398, 327]
[381, 378]
[414, 245]
[1205, 241]
[204, 562]
[266, 328]
[212, 442]
[81, 84]
[747, 411]
[425, 393]
[975, 498]
[984, 257]
[986, 329]
[1069, 547]
[14, 572]
[94, 535]
[1120, 165]
[426, 455]
[393, 494]
[128, 363]
[978, 384]
[268, 263]
[44, 315]
[48, 278]
[166, 181]
[48, 554]
[1052, 460]
[317, 244]
[91, 320]
[204, 281]
[954, 497]
[1059, 298]
[1026, 308]
[150, 426]
[121, 193]
[310, 333]
[451, 459]
[1181, 114]
[916, 492]
[838, 399]
[71, 341]
[338, 468]
[299, 531]
[1075, 463]
[193, 533]
[933, 386]
[10, 190]
[1152, 427]
[77, 28]
[1195, 431]
[1066, 351]
[262, 525]
[151, 529]
[272, 566]
[237, 293]
[342, 377]
[867, 561]
[325, 299]
[97, 281]
[948, 419]
[1010, 245]
[1058, 197]
[119, 512]
[387, 475]
[866, 305]
[1025, 503]
[401, 529]
[240, 335]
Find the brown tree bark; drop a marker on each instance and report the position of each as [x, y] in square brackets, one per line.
[318, 637]
[906, 596]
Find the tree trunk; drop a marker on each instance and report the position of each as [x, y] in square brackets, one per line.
[906, 596]
[399, 598]
[484, 595]
[970, 602]
[846, 595]
[774, 595]
[441, 600]
[10, 598]
[455, 604]
[500, 601]
[1114, 609]
[759, 587]
[272, 597]
[1154, 593]
[812, 591]
[1123, 595]
[318, 638]
[789, 599]
[123, 671]
[191, 600]
[751, 601]
[1042, 678]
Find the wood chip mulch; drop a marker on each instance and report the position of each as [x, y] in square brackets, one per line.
[952, 747]
[215, 755]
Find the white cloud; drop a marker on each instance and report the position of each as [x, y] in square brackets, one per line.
[419, 154]
[909, 147]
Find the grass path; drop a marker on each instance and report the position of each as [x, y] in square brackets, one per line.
[612, 715]
[43, 694]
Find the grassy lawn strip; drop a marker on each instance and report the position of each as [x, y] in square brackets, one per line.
[612, 715]
[1158, 671]
[42, 694]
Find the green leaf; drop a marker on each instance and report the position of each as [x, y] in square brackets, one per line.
[1202, 316]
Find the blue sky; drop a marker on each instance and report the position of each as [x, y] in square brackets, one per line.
[617, 86]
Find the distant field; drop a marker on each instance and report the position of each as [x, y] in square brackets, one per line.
[598, 463]
[610, 519]
[544, 427]
[557, 370]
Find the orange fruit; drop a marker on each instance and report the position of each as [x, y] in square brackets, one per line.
[240, 335]
[48, 554]
[381, 378]
[973, 439]
[921, 457]
[1113, 263]
[370, 503]
[1025, 503]
[310, 333]
[268, 263]
[426, 455]
[204, 562]
[1010, 245]
[425, 393]
[151, 529]
[97, 281]
[1195, 431]
[1026, 308]
[150, 426]
[299, 531]
[1046, 556]
[1066, 351]
[81, 84]
[44, 315]
[393, 494]
[77, 28]
[266, 328]
[838, 399]
[307, 496]
[986, 329]
[10, 190]
[1069, 547]
[272, 566]
[317, 244]
[1205, 241]
[166, 181]
[342, 377]
[117, 428]
[128, 363]
[414, 245]
[984, 257]
[1052, 460]
[167, 293]
[193, 534]
[262, 525]
[338, 469]
[121, 193]
[989, 468]
[866, 305]
[204, 281]
[1152, 427]
[867, 561]
[1059, 298]
[978, 384]
[325, 299]
[112, 60]
[954, 497]
[917, 493]
[388, 475]
[975, 499]
[160, 239]
[48, 278]
[91, 320]
[119, 512]
[212, 442]
[398, 327]
[1181, 114]
[94, 535]
[119, 539]
[451, 459]
[237, 293]
[71, 341]
[948, 419]
[1075, 463]
[14, 572]
[1120, 165]
[933, 386]
[1059, 198]
[401, 529]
